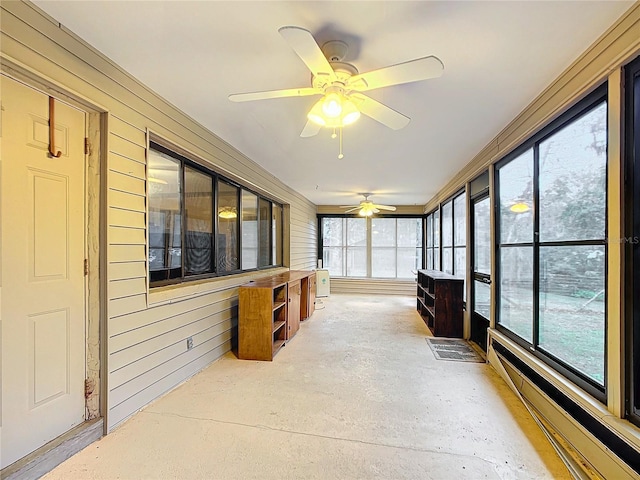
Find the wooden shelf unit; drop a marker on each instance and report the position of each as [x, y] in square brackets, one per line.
[270, 310]
[439, 302]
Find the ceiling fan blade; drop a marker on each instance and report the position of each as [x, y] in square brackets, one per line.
[308, 50]
[375, 210]
[411, 71]
[386, 207]
[380, 112]
[349, 206]
[310, 129]
[291, 92]
[353, 209]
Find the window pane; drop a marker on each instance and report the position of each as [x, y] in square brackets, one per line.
[573, 179]
[516, 194]
[447, 224]
[228, 221]
[165, 233]
[436, 259]
[409, 260]
[459, 261]
[482, 237]
[460, 217]
[356, 261]
[447, 260]
[332, 260]
[264, 231]
[430, 231]
[409, 232]
[383, 232]
[383, 262]
[357, 232]
[516, 290]
[482, 299]
[572, 306]
[332, 232]
[249, 204]
[198, 201]
[460, 267]
[429, 258]
[276, 242]
[436, 228]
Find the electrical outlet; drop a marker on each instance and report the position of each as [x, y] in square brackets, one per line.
[189, 343]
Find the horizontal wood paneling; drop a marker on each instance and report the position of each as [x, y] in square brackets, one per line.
[373, 286]
[126, 236]
[193, 361]
[126, 183]
[123, 271]
[126, 201]
[161, 351]
[126, 253]
[118, 163]
[147, 331]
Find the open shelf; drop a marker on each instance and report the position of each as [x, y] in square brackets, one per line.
[440, 302]
[277, 325]
[278, 305]
[277, 345]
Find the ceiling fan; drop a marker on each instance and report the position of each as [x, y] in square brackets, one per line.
[367, 207]
[341, 85]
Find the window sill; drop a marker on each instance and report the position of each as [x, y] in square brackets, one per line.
[182, 291]
[620, 426]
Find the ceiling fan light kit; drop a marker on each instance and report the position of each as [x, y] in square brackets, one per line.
[341, 85]
[367, 208]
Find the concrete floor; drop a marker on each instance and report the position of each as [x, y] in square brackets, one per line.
[356, 394]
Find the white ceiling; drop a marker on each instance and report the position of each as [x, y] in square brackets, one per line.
[498, 56]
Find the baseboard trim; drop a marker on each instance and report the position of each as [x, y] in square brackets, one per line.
[49, 456]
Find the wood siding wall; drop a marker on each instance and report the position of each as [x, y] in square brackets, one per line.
[147, 331]
[373, 286]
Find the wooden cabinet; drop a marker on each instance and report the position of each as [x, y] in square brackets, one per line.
[294, 308]
[270, 310]
[262, 329]
[440, 302]
[308, 296]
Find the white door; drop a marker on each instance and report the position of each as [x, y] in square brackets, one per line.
[43, 288]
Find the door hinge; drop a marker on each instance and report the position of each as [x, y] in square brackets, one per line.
[86, 146]
[86, 267]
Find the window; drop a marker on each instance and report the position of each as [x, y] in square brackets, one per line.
[249, 230]
[452, 254]
[429, 243]
[276, 237]
[552, 249]
[228, 227]
[393, 251]
[436, 240]
[165, 220]
[184, 231]
[199, 233]
[396, 247]
[447, 237]
[460, 236]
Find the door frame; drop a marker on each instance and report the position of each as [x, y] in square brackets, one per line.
[95, 241]
[474, 276]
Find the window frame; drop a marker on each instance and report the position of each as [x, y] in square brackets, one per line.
[588, 103]
[632, 242]
[175, 153]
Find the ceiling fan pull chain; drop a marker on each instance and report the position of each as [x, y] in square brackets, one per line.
[340, 155]
[333, 135]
